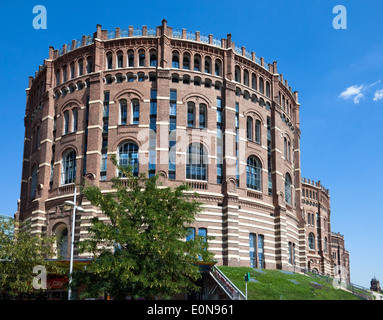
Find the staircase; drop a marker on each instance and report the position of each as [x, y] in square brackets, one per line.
[226, 285]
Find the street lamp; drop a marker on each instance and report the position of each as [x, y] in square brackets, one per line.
[72, 204]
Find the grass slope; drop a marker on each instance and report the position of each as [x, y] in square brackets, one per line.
[277, 285]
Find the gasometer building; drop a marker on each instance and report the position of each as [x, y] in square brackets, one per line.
[199, 110]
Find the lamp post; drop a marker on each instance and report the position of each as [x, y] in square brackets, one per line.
[73, 204]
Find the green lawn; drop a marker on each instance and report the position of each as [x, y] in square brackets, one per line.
[277, 285]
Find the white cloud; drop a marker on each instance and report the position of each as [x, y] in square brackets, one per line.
[354, 92]
[378, 95]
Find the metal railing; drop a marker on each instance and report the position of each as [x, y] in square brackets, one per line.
[226, 285]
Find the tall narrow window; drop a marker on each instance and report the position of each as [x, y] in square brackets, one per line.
[261, 86]
[207, 65]
[128, 157]
[153, 59]
[89, 65]
[257, 131]
[197, 63]
[288, 188]
[123, 111]
[311, 241]
[120, 59]
[109, 60]
[141, 58]
[72, 70]
[80, 67]
[186, 61]
[33, 182]
[253, 173]
[135, 111]
[68, 174]
[74, 119]
[267, 89]
[175, 60]
[130, 58]
[249, 128]
[191, 114]
[253, 250]
[202, 116]
[58, 77]
[253, 81]
[103, 168]
[196, 166]
[66, 122]
[217, 68]
[64, 73]
[261, 256]
[62, 244]
[237, 74]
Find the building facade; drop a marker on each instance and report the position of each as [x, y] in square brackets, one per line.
[196, 109]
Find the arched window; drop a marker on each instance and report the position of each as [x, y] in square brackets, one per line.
[237, 74]
[253, 173]
[120, 59]
[123, 111]
[141, 58]
[191, 114]
[66, 122]
[68, 173]
[218, 68]
[128, 157]
[253, 250]
[130, 58]
[135, 111]
[64, 73]
[153, 58]
[80, 67]
[33, 182]
[202, 116]
[257, 131]
[267, 89]
[58, 77]
[186, 61]
[311, 241]
[253, 81]
[207, 65]
[72, 70]
[175, 78]
[288, 188]
[261, 86]
[261, 255]
[62, 242]
[249, 128]
[89, 65]
[246, 77]
[109, 60]
[175, 60]
[74, 119]
[196, 165]
[197, 63]
[197, 81]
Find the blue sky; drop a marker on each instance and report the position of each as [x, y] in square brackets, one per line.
[338, 74]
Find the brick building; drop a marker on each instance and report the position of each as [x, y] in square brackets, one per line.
[197, 109]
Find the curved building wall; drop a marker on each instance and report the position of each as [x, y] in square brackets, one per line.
[159, 95]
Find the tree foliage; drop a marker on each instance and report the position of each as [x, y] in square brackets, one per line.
[141, 250]
[20, 253]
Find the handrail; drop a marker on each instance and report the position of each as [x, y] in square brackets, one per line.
[229, 287]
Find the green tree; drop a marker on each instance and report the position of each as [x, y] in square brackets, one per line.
[20, 253]
[141, 251]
